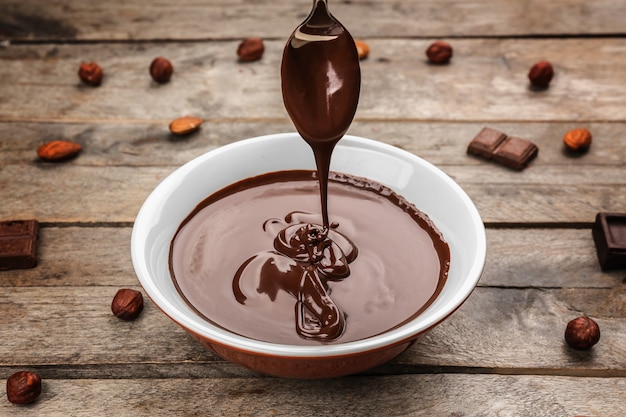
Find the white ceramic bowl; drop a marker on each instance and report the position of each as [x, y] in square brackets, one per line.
[431, 190]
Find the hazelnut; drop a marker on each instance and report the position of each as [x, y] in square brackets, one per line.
[577, 140]
[185, 125]
[439, 52]
[90, 73]
[582, 333]
[250, 49]
[541, 74]
[23, 387]
[161, 70]
[362, 49]
[127, 304]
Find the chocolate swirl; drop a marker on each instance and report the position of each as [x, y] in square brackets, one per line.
[306, 257]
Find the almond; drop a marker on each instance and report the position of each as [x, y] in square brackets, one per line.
[185, 125]
[58, 150]
[577, 140]
[362, 48]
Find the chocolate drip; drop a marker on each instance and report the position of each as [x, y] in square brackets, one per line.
[321, 80]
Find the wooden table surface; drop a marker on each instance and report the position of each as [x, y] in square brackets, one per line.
[501, 354]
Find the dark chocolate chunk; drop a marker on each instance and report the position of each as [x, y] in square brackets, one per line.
[609, 235]
[486, 142]
[18, 244]
[515, 153]
[506, 150]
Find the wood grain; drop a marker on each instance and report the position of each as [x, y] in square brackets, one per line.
[497, 330]
[150, 143]
[408, 395]
[502, 353]
[518, 258]
[63, 20]
[486, 81]
[537, 196]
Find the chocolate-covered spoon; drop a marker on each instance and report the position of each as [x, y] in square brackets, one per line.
[321, 81]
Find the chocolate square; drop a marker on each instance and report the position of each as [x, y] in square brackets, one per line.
[506, 150]
[486, 142]
[18, 244]
[609, 235]
[515, 153]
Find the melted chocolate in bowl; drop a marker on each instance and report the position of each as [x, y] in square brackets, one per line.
[259, 259]
[253, 259]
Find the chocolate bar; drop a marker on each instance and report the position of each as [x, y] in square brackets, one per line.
[18, 244]
[609, 235]
[506, 150]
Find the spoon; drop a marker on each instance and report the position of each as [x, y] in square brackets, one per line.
[321, 81]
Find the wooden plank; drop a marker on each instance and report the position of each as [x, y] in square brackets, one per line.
[68, 193]
[501, 353]
[441, 143]
[409, 395]
[503, 326]
[486, 81]
[553, 258]
[61, 193]
[498, 330]
[128, 144]
[75, 326]
[63, 20]
[518, 258]
[78, 256]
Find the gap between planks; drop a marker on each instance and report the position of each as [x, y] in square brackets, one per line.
[225, 369]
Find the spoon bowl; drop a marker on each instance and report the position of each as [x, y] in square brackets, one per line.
[321, 82]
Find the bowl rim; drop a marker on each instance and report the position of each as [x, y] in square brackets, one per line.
[218, 335]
